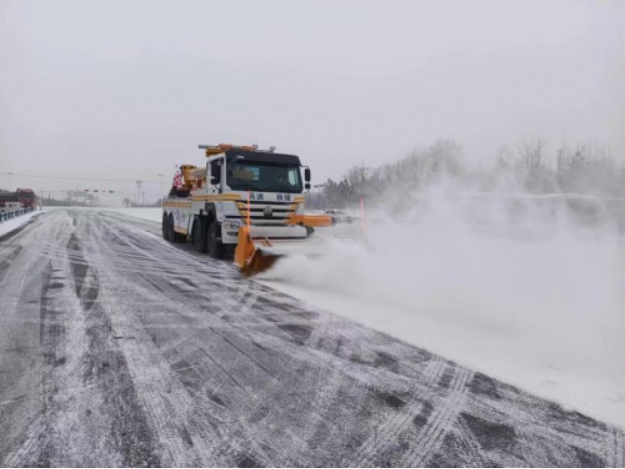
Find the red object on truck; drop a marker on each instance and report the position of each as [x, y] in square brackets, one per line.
[26, 197]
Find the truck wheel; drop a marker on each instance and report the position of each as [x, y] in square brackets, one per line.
[215, 246]
[170, 229]
[165, 227]
[175, 236]
[199, 236]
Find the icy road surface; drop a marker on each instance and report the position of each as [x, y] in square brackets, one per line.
[118, 349]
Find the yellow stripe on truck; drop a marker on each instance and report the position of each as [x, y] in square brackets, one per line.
[217, 198]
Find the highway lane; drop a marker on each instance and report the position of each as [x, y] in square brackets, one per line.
[119, 349]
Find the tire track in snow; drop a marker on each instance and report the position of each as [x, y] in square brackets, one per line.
[180, 448]
[268, 388]
[385, 435]
[616, 452]
[440, 421]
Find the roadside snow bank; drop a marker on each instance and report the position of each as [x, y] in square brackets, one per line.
[517, 290]
[13, 224]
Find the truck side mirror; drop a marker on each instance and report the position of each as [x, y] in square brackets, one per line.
[307, 186]
[307, 174]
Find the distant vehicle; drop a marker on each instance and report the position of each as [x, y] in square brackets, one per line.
[340, 216]
[26, 197]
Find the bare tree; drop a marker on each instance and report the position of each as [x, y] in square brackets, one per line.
[587, 168]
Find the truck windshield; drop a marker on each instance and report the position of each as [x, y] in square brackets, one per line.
[264, 177]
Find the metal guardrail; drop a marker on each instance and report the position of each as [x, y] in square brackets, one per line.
[4, 216]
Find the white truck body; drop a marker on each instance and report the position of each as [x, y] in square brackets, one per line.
[232, 180]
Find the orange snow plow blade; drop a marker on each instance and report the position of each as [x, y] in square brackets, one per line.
[314, 221]
[259, 247]
[248, 258]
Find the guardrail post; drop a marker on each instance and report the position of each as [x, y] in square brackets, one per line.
[6, 215]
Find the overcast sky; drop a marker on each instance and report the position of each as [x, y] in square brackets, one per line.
[128, 89]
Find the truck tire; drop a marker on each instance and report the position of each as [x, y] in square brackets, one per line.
[215, 246]
[165, 227]
[199, 235]
[170, 229]
[174, 237]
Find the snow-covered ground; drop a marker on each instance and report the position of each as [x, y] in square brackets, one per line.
[153, 214]
[143, 353]
[531, 299]
[13, 224]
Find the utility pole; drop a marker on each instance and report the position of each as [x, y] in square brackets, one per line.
[138, 196]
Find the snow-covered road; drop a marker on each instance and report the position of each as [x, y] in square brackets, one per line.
[119, 349]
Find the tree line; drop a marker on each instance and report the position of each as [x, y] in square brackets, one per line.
[531, 166]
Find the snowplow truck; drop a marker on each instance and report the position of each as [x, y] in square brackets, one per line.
[243, 199]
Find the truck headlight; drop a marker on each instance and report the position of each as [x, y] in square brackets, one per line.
[231, 225]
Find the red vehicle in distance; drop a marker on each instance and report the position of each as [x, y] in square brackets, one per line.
[26, 197]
